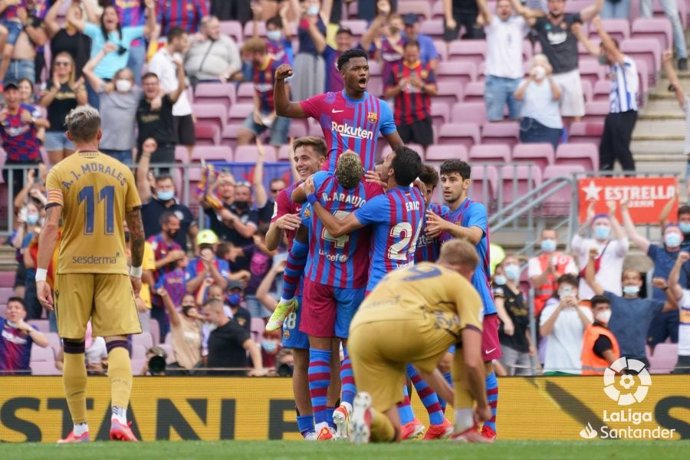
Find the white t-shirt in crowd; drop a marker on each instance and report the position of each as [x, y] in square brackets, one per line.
[540, 105]
[611, 267]
[504, 46]
[684, 326]
[564, 344]
[162, 64]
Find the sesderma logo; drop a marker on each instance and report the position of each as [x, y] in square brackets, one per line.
[620, 380]
[346, 130]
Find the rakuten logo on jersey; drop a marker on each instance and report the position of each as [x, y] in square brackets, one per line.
[349, 131]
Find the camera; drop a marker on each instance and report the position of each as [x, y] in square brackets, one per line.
[157, 361]
[285, 370]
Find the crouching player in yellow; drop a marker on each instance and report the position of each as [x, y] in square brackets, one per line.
[413, 316]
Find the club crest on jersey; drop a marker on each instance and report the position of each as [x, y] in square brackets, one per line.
[372, 117]
[307, 213]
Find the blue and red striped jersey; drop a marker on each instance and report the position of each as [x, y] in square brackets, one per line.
[263, 84]
[473, 214]
[131, 12]
[396, 218]
[15, 349]
[429, 248]
[285, 205]
[339, 262]
[350, 124]
[185, 14]
[19, 136]
[411, 104]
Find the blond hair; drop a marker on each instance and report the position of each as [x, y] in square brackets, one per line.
[459, 252]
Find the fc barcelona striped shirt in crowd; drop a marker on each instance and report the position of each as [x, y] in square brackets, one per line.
[412, 103]
[624, 86]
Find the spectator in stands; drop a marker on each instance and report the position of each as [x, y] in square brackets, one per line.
[558, 42]
[111, 30]
[118, 100]
[412, 84]
[684, 102]
[611, 250]
[277, 32]
[235, 301]
[599, 345]
[232, 10]
[260, 262]
[616, 9]
[263, 117]
[27, 96]
[17, 338]
[157, 122]
[164, 200]
[11, 28]
[681, 296]
[539, 93]
[664, 255]
[683, 218]
[63, 94]
[514, 333]
[28, 227]
[166, 64]
[563, 322]
[132, 13]
[31, 38]
[95, 354]
[68, 38]
[213, 56]
[207, 265]
[229, 344]
[265, 292]
[19, 124]
[547, 267]
[671, 10]
[344, 41]
[148, 267]
[427, 50]
[185, 14]
[236, 221]
[463, 13]
[631, 315]
[264, 203]
[310, 76]
[185, 328]
[504, 34]
[385, 36]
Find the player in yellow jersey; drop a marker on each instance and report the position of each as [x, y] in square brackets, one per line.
[92, 194]
[413, 316]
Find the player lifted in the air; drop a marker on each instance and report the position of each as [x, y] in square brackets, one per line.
[351, 119]
[413, 316]
[93, 195]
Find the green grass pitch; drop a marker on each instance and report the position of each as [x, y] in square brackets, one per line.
[276, 450]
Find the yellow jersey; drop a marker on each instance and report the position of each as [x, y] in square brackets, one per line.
[425, 291]
[95, 192]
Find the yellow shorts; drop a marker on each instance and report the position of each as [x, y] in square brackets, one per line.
[107, 300]
[381, 350]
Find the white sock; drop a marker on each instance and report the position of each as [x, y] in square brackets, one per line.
[464, 420]
[80, 428]
[284, 300]
[120, 414]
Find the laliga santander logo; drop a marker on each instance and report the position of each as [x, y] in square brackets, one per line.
[631, 395]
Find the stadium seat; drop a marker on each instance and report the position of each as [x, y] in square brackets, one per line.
[596, 111]
[284, 153]
[245, 93]
[541, 155]
[138, 352]
[466, 134]
[436, 10]
[516, 181]
[447, 152]
[587, 89]
[442, 49]
[575, 6]
[585, 155]
[590, 70]
[664, 358]
[656, 28]
[616, 28]
[298, 128]
[585, 131]
[137, 366]
[602, 89]
[506, 132]
[42, 354]
[483, 185]
[212, 153]
[440, 112]
[559, 203]
[357, 26]
[233, 29]
[207, 134]
[181, 154]
[249, 29]
[474, 112]
[249, 154]
[41, 324]
[6, 278]
[144, 339]
[375, 68]
[54, 341]
[432, 28]
[43, 368]
[421, 8]
[647, 50]
[155, 331]
[489, 153]
[237, 114]
[448, 92]
[215, 93]
[5, 293]
[473, 51]
[460, 73]
[216, 113]
[474, 92]
[375, 85]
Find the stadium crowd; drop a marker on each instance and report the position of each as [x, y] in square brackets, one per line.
[213, 278]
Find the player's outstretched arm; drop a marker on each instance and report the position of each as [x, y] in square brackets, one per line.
[284, 107]
[46, 246]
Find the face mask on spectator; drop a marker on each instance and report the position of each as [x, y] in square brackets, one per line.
[539, 72]
[512, 272]
[603, 316]
[500, 280]
[270, 346]
[684, 227]
[631, 290]
[313, 10]
[672, 240]
[32, 219]
[234, 299]
[601, 232]
[166, 195]
[548, 245]
[123, 86]
[274, 35]
[566, 291]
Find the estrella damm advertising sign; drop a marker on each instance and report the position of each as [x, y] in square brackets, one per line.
[193, 408]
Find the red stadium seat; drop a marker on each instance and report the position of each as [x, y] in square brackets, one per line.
[448, 92]
[233, 29]
[582, 131]
[596, 111]
[43, 368]
[375, 68]
[298, 128]
[460, 73]
[440, 111]
[442, 49]
[505, 132]
[437, 10]
[238, 113]
[517, 180]
[215, 114]
[6, 281]
[540, 155]
[42, 354]
[474, 112]
[181, 154]
[474, 92]
[284, 153]
[489, 153]
[483, 185]
[466, 134]
[467, 51]
[212, 153]
[447, 152]
[144, 339]
[432, 28]
[245, 93]
[602, 89]
[590, 69]
[214, 93]
[249, 154]
[206, 133]
[657, 28]
[585, 155]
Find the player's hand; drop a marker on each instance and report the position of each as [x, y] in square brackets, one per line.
[482, 413]
[257, 372]
[136, 285]
[289, 222]
[45, 295]
[509, 328]
[435, 224]
[283, 71]
[149, 146]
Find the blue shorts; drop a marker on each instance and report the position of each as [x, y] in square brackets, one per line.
[14, 28]
[20, 69]
[292, 336]
[279, 129]
[57, 141]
